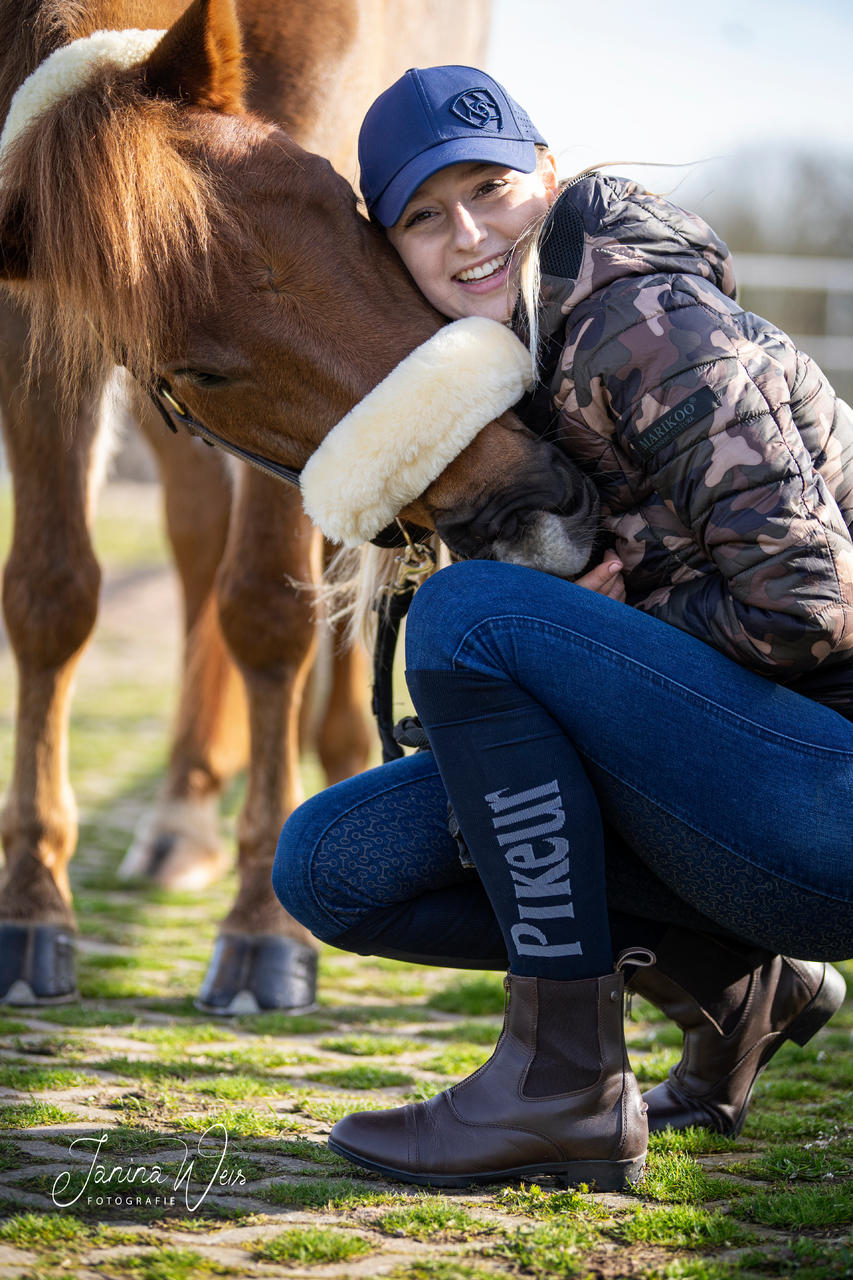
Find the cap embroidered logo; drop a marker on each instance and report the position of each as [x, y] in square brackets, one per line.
[478, 108]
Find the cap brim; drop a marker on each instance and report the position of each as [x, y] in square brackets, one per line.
[517, 154]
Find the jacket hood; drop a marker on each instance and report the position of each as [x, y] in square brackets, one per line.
[601, 229]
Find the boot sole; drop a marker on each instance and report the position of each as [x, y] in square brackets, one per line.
[826, 1001]
[605, 1175]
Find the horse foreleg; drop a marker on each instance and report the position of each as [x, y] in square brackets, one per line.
[50, 600]
[178, 845]
[344, 736]
[263, 959]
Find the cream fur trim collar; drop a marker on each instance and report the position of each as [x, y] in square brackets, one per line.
[400, 437]
[69, 67]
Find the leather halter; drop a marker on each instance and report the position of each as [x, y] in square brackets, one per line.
[173, 412]
[414, 563]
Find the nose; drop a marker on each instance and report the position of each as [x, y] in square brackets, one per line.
[467, 233]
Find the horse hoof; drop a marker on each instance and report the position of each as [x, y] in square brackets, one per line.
[252, 974]
[36, 964]
[177, 847]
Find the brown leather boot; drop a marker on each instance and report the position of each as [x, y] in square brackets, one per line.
[557, 1097]
[736, 1007]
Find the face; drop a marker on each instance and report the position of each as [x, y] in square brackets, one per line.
[456, 234]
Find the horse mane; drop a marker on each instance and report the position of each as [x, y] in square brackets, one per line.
[114, 212]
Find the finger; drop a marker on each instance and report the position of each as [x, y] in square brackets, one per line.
[599, 578]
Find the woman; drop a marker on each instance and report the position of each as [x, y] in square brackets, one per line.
[675, 776]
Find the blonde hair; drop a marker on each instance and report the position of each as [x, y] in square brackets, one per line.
[526, 256]
[358, 582]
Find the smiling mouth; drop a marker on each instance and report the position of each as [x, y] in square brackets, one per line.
[482, 272]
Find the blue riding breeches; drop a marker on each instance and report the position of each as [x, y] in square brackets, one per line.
[610, 775]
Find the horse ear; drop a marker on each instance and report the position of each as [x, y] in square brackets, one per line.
[200, 59]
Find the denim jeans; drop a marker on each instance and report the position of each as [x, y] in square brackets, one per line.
[725, 799]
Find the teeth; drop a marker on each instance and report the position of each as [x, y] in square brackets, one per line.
[487, 269]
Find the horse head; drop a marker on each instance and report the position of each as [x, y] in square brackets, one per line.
[148, 218]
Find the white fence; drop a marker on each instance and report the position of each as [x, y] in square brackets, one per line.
[833, 348]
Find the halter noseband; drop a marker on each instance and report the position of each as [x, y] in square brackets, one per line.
[171, 410]
[396, 534]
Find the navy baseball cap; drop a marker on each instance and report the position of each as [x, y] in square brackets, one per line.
[433, 117]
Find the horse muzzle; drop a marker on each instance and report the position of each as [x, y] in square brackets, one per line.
[546, 521]
[396, 442]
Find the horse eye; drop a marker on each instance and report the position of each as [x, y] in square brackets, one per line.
[201, 377]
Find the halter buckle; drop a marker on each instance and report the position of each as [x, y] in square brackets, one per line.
[417, 561]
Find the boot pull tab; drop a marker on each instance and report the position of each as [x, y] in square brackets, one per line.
[638, 958]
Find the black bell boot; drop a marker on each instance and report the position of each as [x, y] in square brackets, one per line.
[557, 1097]
[736, 1006]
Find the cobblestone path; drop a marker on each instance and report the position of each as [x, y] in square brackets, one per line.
[139, 1138]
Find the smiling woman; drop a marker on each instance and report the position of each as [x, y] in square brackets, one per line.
[457, 233]
[620, 777]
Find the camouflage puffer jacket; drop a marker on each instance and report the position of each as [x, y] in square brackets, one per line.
[722, 456]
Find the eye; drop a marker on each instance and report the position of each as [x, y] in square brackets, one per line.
[490, 187]
[200, 377]
[421, 216]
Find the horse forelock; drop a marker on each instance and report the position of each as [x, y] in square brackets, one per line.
[117, 210]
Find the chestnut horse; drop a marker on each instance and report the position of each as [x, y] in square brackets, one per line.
[148, 216]
[315, 64]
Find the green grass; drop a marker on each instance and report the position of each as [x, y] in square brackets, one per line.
[11, 1156]
[283, 1024]
[28, 1077]
[326, 1193]
[548, 1249]
[678, 1178]
[807, 1207]
[241, 1122]
[12, 1026]
[328, 1111]
[439, 1269]
[692, 1269]
[44, 1231]
[458, 1061]
[803, 1259]
[85, 1015]
[310, 1246]
[471, 1032]
[32, 1115]
[362, 1076]
[315, 1152]
[535, 1202]
[681, 1226]
[173, 1264]
[473, 996]
[235, 1087]
[790, 1163]
[430, 1216]
[693, 1141]
[367, 1046]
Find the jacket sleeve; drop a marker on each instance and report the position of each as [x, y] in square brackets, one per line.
[702, 407]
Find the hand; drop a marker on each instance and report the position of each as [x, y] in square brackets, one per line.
[606, 578]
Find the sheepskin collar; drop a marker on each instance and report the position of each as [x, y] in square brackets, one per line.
[68, 68]
[400, 437]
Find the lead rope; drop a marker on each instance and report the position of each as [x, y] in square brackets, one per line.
[392, 602]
